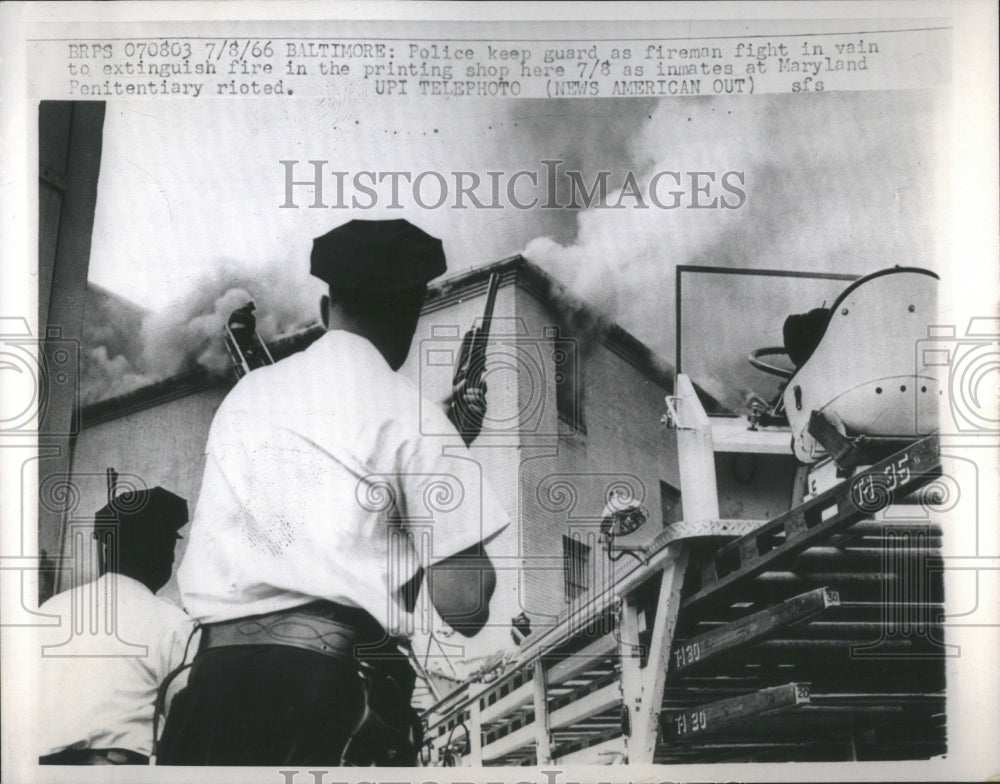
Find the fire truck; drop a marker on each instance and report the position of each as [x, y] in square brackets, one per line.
[812, 634]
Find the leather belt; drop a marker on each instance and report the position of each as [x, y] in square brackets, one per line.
[389, 731]
[322, 627]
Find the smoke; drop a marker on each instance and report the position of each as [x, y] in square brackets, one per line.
[839, 182]
[126, 348]
[111, 343]
[836, 182]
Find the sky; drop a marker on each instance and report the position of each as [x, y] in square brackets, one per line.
[189, 220]
[181, 190]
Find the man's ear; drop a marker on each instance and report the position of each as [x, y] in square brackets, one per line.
[324, 309]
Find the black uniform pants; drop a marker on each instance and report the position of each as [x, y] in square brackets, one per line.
[94, 757]
[263, 705]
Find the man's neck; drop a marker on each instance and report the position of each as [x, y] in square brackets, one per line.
[340, 321]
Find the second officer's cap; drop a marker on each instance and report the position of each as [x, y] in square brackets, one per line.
[152, 509]
[377, 255]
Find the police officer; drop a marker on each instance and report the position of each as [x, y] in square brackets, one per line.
[102, 705]
[304, 558]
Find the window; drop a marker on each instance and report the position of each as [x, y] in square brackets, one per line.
[576, 564]
[670, 503]
[568, 379]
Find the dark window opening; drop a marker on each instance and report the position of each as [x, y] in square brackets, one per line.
[670, 503]
[576, 565]
[568, 370]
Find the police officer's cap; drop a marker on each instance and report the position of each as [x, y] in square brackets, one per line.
[148, 509]
[374, 256]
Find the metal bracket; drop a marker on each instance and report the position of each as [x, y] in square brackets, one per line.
[672, 419]
[847, 453]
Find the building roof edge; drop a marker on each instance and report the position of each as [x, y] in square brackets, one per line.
[470, 282]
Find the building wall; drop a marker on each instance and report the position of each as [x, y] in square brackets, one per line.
[430, 365]
[436, 346]
[69, 160]
[161, 445]
[551, 478]
[497, 450]
[565, 474]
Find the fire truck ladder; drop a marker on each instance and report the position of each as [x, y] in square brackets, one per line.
[812, 636]
[246, 350]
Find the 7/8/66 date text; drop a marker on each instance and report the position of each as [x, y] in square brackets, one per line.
[229, 48]
[110, 68]
[173, 49]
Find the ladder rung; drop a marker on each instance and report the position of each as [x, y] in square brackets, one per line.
[577, 711]
[693, 723]
[559, 673]
[745, 631]
[581, 660]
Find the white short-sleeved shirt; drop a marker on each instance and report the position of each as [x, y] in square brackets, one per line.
[319, 484]
[98, 690]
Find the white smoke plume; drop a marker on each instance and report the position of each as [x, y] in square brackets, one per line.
[839, 182]
[835, 182]
[126, 348]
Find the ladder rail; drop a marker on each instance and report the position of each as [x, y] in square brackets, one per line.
[835, 509]
[243, 361]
